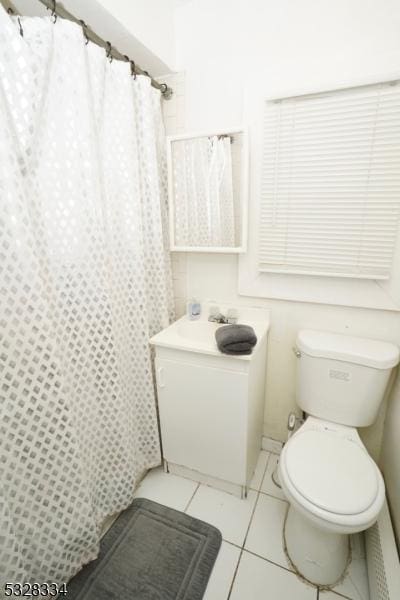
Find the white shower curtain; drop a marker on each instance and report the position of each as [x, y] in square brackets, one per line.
[204, 204]
[84, 282]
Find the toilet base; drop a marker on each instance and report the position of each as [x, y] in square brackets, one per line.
[321, 557]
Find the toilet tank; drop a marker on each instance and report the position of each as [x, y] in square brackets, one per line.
[342, 379]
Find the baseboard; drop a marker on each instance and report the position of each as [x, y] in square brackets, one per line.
[214, 482]
[271, 445]
[382, 559]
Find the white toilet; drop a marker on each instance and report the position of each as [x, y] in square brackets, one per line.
[332, 484]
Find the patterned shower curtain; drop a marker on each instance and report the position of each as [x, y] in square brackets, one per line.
[84, 282]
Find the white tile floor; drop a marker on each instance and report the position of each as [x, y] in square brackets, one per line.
[251, 564]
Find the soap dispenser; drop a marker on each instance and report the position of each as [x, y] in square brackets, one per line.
[193, 309]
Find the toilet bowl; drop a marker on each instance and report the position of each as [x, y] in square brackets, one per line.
[334, 488]
[327, 472]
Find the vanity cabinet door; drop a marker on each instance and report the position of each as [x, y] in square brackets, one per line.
[203, 415]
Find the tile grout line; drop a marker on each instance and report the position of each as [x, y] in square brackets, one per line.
[232, 544]
[191, 498]
[257, 489]
[274, 497]
[251, 520]
[255, 503]
[332, 591]
[339, 595]
[271, 562]
[265, 471]
[234, 575]
[242, 548]
[247, 530]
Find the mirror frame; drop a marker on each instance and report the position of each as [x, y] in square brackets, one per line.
[244, 192]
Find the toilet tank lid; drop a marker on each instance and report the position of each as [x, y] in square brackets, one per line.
[362, 351]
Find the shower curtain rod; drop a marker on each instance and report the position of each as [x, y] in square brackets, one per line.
[58, 10]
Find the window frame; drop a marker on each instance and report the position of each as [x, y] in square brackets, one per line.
[317, 289]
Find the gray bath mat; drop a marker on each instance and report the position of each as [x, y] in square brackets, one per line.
[150, 553]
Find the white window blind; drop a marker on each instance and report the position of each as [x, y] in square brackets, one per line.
[330, 191]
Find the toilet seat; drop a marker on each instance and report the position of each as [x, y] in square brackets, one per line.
[321, 480]
[332, 472]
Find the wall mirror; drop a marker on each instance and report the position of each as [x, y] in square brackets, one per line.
[208, 181]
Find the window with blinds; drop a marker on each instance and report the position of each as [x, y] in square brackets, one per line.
[330, 191]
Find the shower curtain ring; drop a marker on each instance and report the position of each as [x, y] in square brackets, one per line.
[21, 31]
[10, 11]
[163, 88]
[54, 11]
[108, 51]
[132, 63]
[84, 30]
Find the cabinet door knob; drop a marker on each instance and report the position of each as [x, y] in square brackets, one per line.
[161, 382]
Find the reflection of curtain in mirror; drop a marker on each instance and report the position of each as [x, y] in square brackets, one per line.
[204, 209]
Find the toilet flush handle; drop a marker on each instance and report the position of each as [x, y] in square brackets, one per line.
[296, 352]
[291, 422]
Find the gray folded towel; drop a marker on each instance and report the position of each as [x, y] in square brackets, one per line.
[235, 339]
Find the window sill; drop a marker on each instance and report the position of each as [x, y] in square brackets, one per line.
[360, 293]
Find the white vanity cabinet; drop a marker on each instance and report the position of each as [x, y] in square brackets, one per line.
[211, 409]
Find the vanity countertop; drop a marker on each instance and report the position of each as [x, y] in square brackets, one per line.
[199, 335]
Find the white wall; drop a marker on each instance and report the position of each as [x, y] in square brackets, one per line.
[150, 21]
[225, 49]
